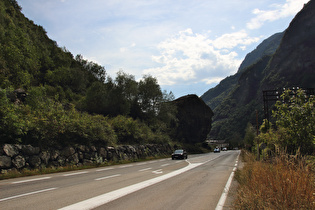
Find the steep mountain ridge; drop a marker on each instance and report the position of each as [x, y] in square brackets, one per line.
[267, 47]
[293, 64]
[214, 96]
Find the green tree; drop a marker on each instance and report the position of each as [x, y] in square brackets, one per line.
[250, 135]
[296, 114]
[150, 97]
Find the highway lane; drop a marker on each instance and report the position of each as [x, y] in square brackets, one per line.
[205, 173]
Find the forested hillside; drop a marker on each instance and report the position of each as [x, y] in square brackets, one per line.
[48, 97]
[236, 99]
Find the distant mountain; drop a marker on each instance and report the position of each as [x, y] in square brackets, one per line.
[235, 100]
[215, 96]
[267, 47]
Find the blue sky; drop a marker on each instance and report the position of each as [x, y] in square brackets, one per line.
[188, 45]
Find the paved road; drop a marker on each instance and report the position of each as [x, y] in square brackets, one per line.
[195, 183]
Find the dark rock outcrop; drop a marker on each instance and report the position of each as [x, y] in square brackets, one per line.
[194, 119]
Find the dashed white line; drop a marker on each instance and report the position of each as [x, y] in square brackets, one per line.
[107, 177]
[113, 195]
[145, 169]
[104, 169]
[31, 180]
[78, 173]
[159, 171]
[126, 166]
[30, 193]
[165, 164]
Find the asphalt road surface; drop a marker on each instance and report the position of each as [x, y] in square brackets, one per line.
[195, 183]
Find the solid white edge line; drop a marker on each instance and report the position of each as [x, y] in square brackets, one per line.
[31, 180]
[30, 193]
[225, 192]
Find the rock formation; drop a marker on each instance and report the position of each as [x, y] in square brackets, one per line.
[194, 119]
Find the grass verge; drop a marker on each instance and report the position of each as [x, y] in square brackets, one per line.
[281, 183]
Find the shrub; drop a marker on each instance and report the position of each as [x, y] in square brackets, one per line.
[286, 183]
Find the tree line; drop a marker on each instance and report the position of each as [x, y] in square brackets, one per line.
[70, 99]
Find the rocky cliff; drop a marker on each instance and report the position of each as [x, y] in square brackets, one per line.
[293, 64]
[194, 119]
[215, 96]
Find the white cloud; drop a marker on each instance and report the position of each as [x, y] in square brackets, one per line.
[289, 8]
[190, 57]
[213, 80]
[232, 40]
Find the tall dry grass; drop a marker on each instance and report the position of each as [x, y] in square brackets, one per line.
[283, 183]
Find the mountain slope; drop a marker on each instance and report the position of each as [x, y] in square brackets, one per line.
[216, 95]
[267, 47]
[293, 64]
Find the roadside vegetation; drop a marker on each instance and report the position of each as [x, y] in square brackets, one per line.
[68, 100]
[282, 174]
[282, 183]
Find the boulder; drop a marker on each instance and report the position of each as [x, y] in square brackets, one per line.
[194, 119]
[10, 150]
[5, 162]
[74, 159]
[68, 151]
[19, 161]
[54, 154]
[102, 152]
[45, 156]
[35, 161]
[30, 150]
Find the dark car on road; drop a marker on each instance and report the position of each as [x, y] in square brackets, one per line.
[179, 154]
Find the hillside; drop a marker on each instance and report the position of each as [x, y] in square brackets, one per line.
[50, 98]
[292, 64]
[267, 47]
[214, 96]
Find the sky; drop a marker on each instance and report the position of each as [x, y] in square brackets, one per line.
[188, 45]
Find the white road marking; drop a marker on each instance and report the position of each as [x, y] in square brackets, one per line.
[104, 169]
[107, 197]
[107, 177]
[77, 173]
[31, 180]
[165, 164]
[125, 166]
[30, 193]
[145, 169]
[225, 192]
[159, 171]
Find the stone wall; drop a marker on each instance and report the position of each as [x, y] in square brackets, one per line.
[13, 156]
